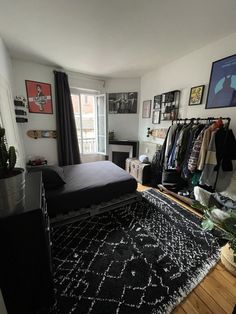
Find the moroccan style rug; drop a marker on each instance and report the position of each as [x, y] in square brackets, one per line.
[140, 259]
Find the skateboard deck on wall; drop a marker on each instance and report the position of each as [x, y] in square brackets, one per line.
[42, 134]
[159, 133]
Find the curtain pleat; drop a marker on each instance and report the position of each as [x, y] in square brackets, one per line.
[67, 142]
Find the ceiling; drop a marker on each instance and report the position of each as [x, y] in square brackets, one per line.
[112, 38]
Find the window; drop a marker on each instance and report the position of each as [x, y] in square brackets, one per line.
[90, 119]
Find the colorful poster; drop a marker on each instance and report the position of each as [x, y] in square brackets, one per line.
[39, 97]
[222, 86]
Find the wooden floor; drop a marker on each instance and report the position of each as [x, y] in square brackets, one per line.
[216, 293]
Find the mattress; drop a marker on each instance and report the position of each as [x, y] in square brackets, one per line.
[89, 184]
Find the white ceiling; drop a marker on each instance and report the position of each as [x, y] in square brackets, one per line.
[112, 38]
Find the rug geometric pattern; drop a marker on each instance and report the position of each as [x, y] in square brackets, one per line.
[138, 259]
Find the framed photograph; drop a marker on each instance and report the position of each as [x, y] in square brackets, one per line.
[156, 117]
[196, 95]
[147, 109]
[222, 85]
[157, 102]
[123, 102]
[39, 96]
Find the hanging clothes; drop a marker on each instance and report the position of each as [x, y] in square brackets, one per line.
[193, 160]
[208, 176]
[225, 149]
[196, 129]
[169, 143]
[171, 160]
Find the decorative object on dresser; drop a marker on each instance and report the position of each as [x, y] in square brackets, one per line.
[222, 85]
[12, 180]
[123, 102]
[196, 95]
[146, 109]
[39, 97]
[26, 278]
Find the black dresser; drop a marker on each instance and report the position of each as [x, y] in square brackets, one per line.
[26, 278]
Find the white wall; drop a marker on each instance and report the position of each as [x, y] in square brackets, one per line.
[190, 70]
[125, 126]
[41, 147]
[22, 71]
[5, 63]
[7, 113]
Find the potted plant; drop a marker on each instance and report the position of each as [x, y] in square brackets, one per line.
[12, 179]
[226, 221]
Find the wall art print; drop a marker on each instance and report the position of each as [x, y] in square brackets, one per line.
[146, 109]
[222, 86]
[39, 97]
[196, 95]
[123, 102]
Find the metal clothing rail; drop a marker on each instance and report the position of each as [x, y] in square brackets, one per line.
[201, 119]
[209, 119]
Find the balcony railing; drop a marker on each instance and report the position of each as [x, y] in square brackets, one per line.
[89, 145]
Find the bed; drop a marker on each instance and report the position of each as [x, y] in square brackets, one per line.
[89, 189]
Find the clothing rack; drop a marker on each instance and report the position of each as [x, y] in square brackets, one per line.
[209, 119]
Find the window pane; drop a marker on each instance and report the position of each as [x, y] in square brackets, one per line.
[88, 124]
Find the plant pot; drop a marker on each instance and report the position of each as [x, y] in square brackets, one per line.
[12, 193]
[227, 259]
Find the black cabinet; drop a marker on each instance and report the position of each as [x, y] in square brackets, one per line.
[26, 278]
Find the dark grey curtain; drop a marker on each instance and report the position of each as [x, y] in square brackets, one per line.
[67, 142]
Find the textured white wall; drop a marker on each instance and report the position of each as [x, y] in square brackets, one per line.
[125, 126]
[190, 70]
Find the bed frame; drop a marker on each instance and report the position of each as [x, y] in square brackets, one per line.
[93, 210]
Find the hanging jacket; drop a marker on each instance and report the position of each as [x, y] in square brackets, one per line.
[225, 149]
[192, 163]
[208, 176]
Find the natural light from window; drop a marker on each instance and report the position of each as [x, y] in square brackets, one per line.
[85, 119]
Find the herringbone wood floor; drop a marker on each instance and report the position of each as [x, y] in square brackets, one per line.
[215, 294]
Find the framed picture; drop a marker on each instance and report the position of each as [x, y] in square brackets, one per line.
[222, 85]
[196, 95]
[157, 102]
[156, 117]
[147, 109]
[39, 96]
[123, 102]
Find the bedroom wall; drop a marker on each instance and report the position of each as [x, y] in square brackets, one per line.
[125, 126]
[5, 63]
[7, 114]
[23, 70]
[190, 70]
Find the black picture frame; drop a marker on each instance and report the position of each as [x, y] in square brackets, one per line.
[222, 84]
[123, 103]
[196, 95]
[156, 117]
[157, 102]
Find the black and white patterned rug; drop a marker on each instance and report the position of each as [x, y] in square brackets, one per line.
[140, 259]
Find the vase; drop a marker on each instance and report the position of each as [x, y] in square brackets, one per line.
[227, 259]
